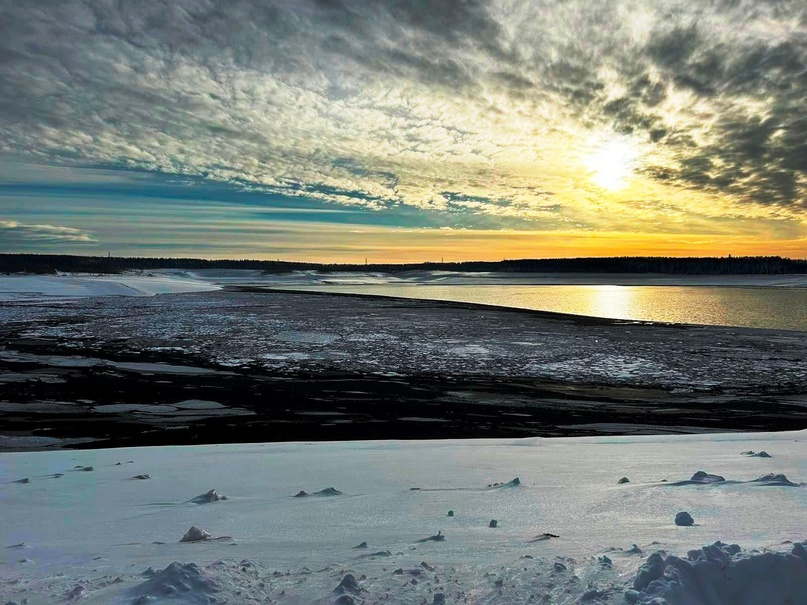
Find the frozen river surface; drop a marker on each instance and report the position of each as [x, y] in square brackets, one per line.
[297, 331]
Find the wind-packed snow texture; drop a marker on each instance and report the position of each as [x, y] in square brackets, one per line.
[103, 538]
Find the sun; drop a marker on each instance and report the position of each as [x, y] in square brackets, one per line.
[611, 163]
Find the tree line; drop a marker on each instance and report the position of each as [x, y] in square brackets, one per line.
[740, 265]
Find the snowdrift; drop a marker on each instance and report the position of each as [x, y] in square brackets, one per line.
[722, 574]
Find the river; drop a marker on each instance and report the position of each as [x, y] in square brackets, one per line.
[777, 308]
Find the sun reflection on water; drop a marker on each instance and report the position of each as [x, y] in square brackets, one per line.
[609, 301]
[781, 308]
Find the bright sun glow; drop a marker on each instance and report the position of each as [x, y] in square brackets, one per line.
[611, 163]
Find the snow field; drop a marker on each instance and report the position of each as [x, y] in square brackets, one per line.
[95, 527]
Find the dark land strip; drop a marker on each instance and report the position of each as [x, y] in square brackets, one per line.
[82, 379]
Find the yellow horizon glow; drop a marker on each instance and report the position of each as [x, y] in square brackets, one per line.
[388, 245]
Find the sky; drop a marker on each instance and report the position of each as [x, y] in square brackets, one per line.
[403, 131]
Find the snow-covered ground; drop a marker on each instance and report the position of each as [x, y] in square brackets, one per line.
[54, 287]
[104, 526]
[72, 534]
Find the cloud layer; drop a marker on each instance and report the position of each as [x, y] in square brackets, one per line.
[490, 109]
[13, 233]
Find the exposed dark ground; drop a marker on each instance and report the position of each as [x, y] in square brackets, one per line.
[308, 367]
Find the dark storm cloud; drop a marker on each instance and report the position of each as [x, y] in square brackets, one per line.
[360, 101]
[755, 147]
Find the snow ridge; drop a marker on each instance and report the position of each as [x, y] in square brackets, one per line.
[722, 574]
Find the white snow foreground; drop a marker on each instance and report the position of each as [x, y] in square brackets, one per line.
[567, 533]
[713, 575]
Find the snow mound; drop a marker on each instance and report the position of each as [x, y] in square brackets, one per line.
[544, 536]
[208, 497]
[438, 537]
[194, 534]
[79, 591]
[774, 479]
[704, 477]
[684, 519]
[701, 478]
[328, 491]
[375, 555]
[177, 583]
[722, 574]
[346, 593]
[512, 483]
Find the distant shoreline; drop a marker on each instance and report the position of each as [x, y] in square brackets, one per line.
[794, 281]
[728, 265]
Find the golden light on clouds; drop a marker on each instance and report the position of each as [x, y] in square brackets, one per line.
[656, 118]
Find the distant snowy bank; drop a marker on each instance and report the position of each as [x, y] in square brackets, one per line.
[457, 278]
[174, 281]
[38, 287]
[410, 522]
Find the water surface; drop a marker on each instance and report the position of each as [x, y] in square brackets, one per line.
[778, 308]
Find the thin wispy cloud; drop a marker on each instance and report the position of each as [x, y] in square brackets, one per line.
[12, 232]
[504, 110]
